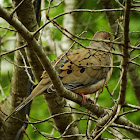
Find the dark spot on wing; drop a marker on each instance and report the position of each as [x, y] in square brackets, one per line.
[69, 71]
[71, 62]
[60, 77]
[82, 70]
[60, 71]
[69, 66]
[66, 61]
[62, 65]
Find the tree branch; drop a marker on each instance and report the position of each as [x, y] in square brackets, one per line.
[52, 73]
[125, 52]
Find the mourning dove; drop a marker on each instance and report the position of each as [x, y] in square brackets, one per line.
[83, 70]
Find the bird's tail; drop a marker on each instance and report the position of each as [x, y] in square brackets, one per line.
[39, 89]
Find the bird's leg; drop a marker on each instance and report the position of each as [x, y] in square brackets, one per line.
[83, 97]
[108, 90]
[96, 96]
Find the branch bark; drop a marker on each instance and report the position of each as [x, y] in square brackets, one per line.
[24, 10]
[47, 65]
[125, 52]
[16, 95]
[132, 69]
[135, 80]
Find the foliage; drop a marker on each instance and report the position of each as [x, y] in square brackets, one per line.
[84, 21]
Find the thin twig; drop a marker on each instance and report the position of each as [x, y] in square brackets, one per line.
[136, 129]
[59, 28]
[67, 51]
[49, 6]
[131, 106]
[136, 1]
[126, 54]
[7, 28]
[24, 131]
[134, 63]
[26, 67]
[64, 113]
[137, 42]
[127, 112]
[133, 47]
[2, 91]
[120, 4]
[80, 38]
[77, 10]
[54, 5]
[112, 133]
[35, 127]
[16, 8]
[26, 70]
[137, 56]
[110, 122]
[117, 85]
[13, 50]
[120, 132]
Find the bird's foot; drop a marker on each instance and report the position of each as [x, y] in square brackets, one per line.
[83, 97]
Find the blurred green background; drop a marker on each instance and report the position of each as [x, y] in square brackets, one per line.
[84, 21]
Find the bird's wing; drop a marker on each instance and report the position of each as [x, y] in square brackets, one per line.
[83, 67]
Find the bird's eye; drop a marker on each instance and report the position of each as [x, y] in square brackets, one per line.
[108, 38]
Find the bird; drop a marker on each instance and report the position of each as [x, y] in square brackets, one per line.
[83, 70]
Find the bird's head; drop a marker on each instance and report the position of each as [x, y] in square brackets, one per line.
[106, 36]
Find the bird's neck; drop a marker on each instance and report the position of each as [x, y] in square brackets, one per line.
[99, 45]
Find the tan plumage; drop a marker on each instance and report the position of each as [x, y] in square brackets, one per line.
[83, 70]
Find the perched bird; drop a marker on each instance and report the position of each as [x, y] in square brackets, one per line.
[83, 70]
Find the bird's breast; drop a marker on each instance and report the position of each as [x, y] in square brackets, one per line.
[91, 88]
